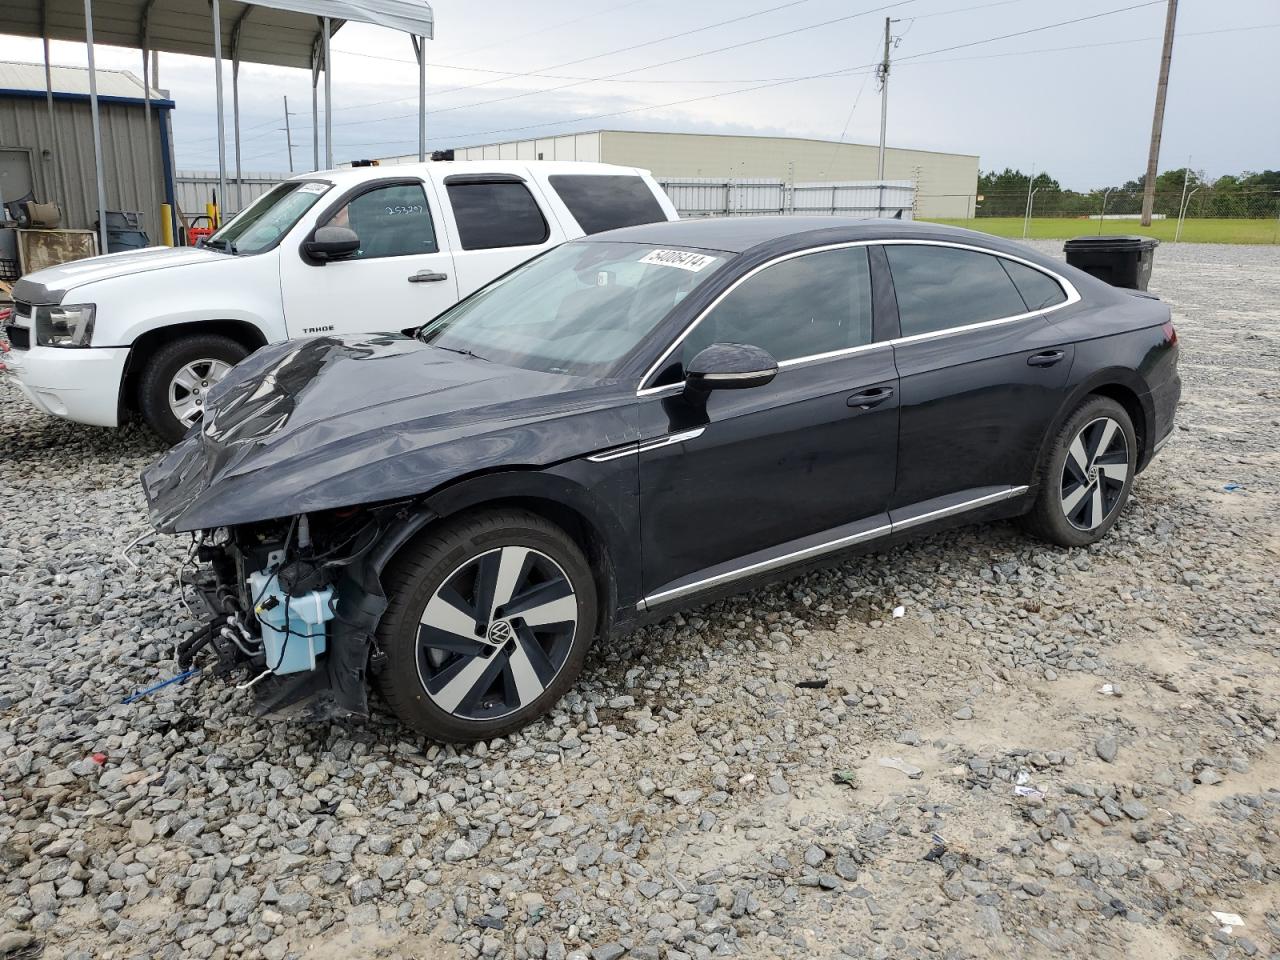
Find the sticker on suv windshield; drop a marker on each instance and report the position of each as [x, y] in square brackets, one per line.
[678, 258]
[313, 188]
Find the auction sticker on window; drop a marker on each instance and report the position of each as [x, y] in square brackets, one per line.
[313, 188]
[682, 259]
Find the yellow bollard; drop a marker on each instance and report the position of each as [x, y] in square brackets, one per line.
[212, 210]
[166, 224]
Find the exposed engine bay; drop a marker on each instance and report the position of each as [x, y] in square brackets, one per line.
[293, 606]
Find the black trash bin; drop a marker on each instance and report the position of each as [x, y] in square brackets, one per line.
[124, 231]
[1120, 261]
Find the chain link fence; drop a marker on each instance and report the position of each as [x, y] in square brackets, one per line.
[1198, 202]
[717, 197]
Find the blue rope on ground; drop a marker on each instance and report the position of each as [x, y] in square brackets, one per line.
[180, 678]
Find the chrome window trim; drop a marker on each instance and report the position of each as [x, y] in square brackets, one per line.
[1072, 297]
[830, 546]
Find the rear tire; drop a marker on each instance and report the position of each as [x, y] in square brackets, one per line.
[176, 370]
[489, 621]
[1086, 476]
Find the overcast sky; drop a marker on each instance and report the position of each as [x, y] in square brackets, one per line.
[1084, 114]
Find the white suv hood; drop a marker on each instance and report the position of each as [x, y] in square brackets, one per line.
[59, 279]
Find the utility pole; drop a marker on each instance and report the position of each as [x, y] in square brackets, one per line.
[1157, 122]
[882, 74]
[288, 137]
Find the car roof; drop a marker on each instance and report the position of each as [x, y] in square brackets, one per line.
[740, 234]
[350, 176]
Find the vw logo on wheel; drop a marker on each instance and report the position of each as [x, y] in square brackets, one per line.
[501, 631]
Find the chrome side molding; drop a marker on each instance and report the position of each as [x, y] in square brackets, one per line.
[668, 440]
[830, 546]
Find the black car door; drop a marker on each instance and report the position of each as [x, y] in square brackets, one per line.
[744, 471]
[982, 370]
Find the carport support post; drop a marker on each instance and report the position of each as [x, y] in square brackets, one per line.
[420, 48]
[315, 110]
[217, 86]
[235, 118]
[328, 102]
[65, 197]
[97, 128]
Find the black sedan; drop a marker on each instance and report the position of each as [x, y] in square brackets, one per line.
[634, 422]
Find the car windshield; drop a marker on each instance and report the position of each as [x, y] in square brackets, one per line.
[270, 217]
[576, 310]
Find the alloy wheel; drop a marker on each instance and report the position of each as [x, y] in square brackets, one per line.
[189, 386]
[1095, 473]
[495, 633]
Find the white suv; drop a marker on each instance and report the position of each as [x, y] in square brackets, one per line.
[340, 251]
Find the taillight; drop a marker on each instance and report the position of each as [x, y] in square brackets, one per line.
[1170, 334]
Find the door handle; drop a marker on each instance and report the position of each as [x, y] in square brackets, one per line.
[1046, 359]
[867, 399]
[428, 276]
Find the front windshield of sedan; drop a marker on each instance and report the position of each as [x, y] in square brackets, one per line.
[576, 310]
[269, 218]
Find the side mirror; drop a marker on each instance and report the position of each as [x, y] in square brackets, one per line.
[730, 366]
[331, 243]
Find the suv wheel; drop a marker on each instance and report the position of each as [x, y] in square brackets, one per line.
[1087, 475]
[177, 378]
[489, 622]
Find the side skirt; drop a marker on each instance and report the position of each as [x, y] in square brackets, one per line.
[797, 552]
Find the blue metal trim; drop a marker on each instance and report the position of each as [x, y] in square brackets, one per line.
[84, 98]
[168, 172]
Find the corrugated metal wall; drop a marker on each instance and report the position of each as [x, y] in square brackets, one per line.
[194, 188]
[24, 123]
[712, 197]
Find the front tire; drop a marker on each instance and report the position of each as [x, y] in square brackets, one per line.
[1087, 475]
[179, 375]
[489, 621]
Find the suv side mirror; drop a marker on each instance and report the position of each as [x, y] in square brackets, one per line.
[730, 366]
[331, 243]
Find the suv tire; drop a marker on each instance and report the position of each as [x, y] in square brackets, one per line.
[178, 368]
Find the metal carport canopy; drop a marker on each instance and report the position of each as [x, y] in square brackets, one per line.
[284, 33]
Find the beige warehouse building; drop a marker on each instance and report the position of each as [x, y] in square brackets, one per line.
[945, 183]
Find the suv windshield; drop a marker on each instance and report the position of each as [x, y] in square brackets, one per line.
[270, 217]
[575, 310]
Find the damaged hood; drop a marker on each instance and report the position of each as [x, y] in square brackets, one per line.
[332, 422]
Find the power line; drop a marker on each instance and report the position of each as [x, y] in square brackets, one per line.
[787, 80]
[855, 70]
[616, 77]
[1023, 33]
[642, 44]
[651, 66]
[549, 27]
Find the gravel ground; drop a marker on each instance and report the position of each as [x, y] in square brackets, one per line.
[1083, 742]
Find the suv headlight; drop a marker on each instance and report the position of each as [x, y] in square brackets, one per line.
[64, 326]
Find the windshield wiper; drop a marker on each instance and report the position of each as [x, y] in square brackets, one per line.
[465, 353]
[227, 246]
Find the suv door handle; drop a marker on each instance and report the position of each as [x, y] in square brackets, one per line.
[1046, 359]
[428, 276]
[870, 398]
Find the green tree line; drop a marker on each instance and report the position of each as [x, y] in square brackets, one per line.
[1248, 194]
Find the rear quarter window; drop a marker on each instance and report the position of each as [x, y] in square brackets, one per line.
[1038, 289]
[607, 202]
[496, 214]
